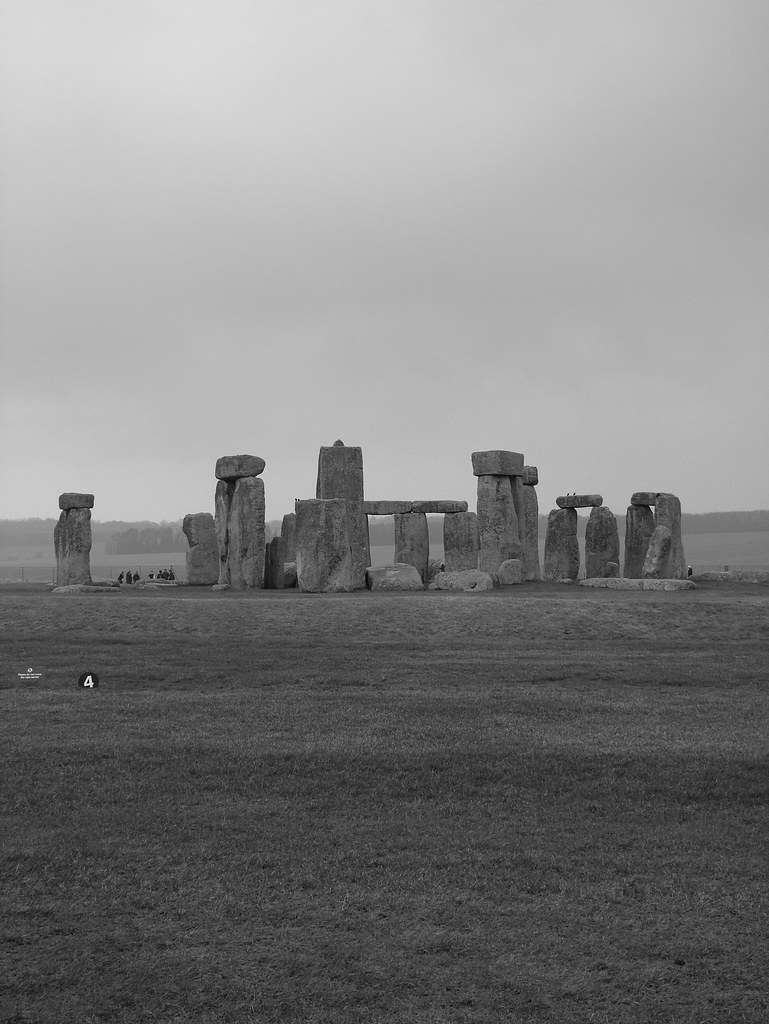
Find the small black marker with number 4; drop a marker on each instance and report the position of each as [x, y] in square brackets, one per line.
[89, 680]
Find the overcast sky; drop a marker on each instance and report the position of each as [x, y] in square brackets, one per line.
[425, 228]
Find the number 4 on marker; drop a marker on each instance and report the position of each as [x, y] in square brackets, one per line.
[89, 679]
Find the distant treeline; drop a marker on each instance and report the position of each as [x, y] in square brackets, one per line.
[147, 540]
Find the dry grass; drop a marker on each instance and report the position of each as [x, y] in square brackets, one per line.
[538, 805]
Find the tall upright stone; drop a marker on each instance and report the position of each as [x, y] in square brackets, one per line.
[340, 475]
[531, 566]
[460, 541]
[273, 565]
[412, 541]
[639, 527]
[561, 545]
[665, 555]
[601, 544]
[324, 560]
[239, 521]
[497, 523]
[203, 555]
[288, 536]
[72, 539]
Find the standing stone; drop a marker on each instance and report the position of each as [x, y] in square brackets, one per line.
[323, 552]
[601, 544]
[665, 556]
[222, 503]
[497, 523]
[274, 578]
[412, 542]
[72, 541]
[203, 555]
[340, 475]
[288, 536]
[531, 568]
[561, 545]
[460, 541]
[639, 527]
[245, 546]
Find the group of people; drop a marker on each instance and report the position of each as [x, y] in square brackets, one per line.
[134, 577]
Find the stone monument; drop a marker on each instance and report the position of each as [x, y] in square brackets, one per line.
[72, 539]
[239, 504]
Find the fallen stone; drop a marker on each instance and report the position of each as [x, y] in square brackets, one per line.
[561, 545]
[639, 527]
[340, 475]
[221, 586]
[601, 544]
[434, 566]
[400, 576]
[530, 476]
[234, 467]
[497, 523]
[647, 498]
[324, 562]
[72, 545]
[445, 507]
[460, 541]
[245, 528]
[74, 499]
[531, 566]
[386, 508]
[468, 580]
[497, 463]
[579, 501]
[759, 576]
[84, 588]
[510, 573]
[412, 541]
[203, 556]
[623, 583]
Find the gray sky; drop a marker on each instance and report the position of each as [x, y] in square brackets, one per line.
[426, 228]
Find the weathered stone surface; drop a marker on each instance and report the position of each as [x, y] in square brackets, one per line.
[324, 560]
[601, 544]
[289, 575]
[274, 578]
[579, 501]
[400, 576]
[516, 486]
[386, 508]
[497, 463]
[639, 526]
[623, 583]
[288, 536]
[760, 576]
[468, 580]
[234, 467]
[84, 588]
[561, 545]
[75, 499]
[658, 553]
[340, 475]
[222, 503]
[497, 523]
[412, 542]
[644, 498]
[434, 566]
[439, 507]
[203, 556]
[530, 476]
[460, 541]
[510, 573]
[245, 547]
[672, 565]
[72, 544]
[531, 567]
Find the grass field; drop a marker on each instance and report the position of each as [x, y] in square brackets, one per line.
[539, 804]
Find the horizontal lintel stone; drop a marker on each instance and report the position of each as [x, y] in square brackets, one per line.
[530, 476]
[234, 467]
[497, 463]
[645, 498]
[438, 507]
[73, 499]
[579, 501]
[386, 508]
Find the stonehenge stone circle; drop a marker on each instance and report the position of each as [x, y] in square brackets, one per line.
[340, 476]
[239, 521]
[601, 544]
[561, 545]
[72, 540]
[412, 541]
[203, 555]
[460, 541]
[324, 561]
[639, 527]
